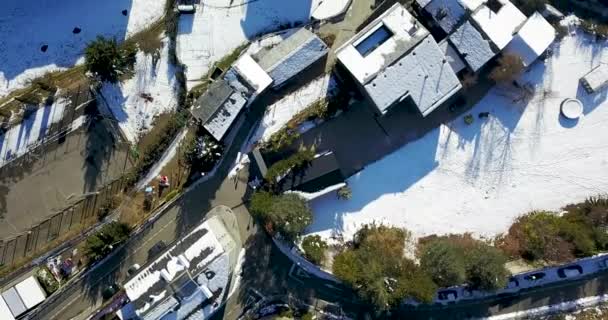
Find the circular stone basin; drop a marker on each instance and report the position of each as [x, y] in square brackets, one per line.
[572, 108]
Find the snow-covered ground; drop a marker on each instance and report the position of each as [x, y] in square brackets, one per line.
[152, 91]
[33, 129]
[26, 26]
[216, 30]
[326, 9]
[479, 178]
[279, 113]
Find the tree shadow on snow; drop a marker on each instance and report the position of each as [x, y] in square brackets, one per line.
[54, 25]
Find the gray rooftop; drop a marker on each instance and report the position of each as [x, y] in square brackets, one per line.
[219, 107]
[208, 103]
[472, 46]
[424, 75]
[291, 56]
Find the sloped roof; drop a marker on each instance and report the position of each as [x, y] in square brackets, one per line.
[210, 101]
[499, 26]
[292, 55]
[472, 46]
[423, 74]
[221, 121]
[532, 39]
[446, 13]
[453, 58]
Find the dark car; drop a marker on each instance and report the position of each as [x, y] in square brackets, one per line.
[535, 276]
[570, 271]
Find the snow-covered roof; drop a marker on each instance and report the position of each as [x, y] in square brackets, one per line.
[251, 71]
[5, 311]
[30, 292]
[383, 41]
[450, 53]
[150, 290]
[499, 26]
[219, 107]
[596, 78]
[446, 13]
[14, 302]
[449, 13]
[472, 46]
[424, 75]
[292, 55]
[222, 119]
[532, 39]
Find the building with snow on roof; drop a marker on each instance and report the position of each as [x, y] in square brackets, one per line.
[226, 98]
[189, 280]
[291, 56]
[20, 298]
[395, 59]
[478, 30]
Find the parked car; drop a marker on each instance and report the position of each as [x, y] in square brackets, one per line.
[535, 276]
[570, 271]
[447, 295]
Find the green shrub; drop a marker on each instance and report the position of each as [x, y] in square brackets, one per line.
[485, 267]
[444, 261]
[287, 214]
[47, 280]
[106, 59]
[345, 193]
[103, 242]
[314, 249]
[294, 162]
[376, 268]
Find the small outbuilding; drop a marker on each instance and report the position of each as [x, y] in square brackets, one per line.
[596, 79]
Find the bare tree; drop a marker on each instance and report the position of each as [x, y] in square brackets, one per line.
[510, 66]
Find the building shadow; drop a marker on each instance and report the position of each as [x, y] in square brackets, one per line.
[28, 28]
[271, 15]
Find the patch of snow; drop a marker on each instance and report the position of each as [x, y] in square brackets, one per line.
[152, 91]
[311, 196]
[34, 129]
[326, 9]
[216, 29]
[553, 308]
[238, 270]
[279, 113]
[479, 178]
[166, 157]
[27, 26]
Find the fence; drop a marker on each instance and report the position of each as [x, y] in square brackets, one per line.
[59, 226]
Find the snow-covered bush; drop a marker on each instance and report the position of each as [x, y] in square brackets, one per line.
[204, 153]
[314, 248]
